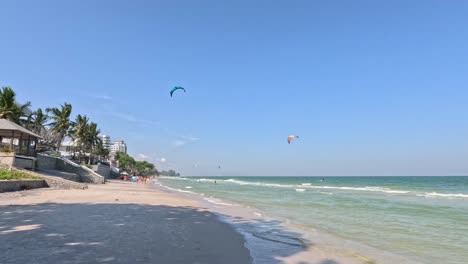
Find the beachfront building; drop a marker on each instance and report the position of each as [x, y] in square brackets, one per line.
[118, 146]
[106, 142]
[17, 138]
[17, 146]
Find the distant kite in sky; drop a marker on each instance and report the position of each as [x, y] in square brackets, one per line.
[176, 88]
[290, 138]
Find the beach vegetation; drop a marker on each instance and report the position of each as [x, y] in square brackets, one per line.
[5, 149]
[15, 175]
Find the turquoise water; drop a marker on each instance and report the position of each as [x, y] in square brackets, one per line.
[423, 219]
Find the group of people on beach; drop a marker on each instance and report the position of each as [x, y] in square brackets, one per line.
[135, 178]
[143, 179]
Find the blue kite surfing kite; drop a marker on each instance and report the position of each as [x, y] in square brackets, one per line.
[177, 88]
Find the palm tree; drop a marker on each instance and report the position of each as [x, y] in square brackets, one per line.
[36, 121]
[9, 108]
[79, 132]
[92, 138]
[61, 123]
[101, 151]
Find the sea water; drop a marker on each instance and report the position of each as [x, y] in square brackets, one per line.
[419, 219]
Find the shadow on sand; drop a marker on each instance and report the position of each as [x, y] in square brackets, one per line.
[131, 233]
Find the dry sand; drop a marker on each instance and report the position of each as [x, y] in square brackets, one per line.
[118, 222]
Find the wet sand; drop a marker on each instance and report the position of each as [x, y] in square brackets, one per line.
[271, 241]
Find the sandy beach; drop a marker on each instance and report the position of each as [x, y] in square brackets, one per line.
[125, 222]
[118, 222]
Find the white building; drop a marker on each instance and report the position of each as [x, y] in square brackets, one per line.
[106, 142]
[118, 146]
[68, 148]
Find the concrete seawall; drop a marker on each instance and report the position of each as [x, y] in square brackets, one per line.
[19, 185]
[45, 163]
[103, 170]
[45, 181]
[54, 182]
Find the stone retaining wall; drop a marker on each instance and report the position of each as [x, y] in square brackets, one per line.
[102, 170]
[6, 160]
[45, 162]
[54, 182]
[18, 185]
[25, 162]
[86, 174]
[57, 182]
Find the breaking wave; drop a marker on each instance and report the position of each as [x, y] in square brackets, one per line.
[445, 195]
[326, 189]
[310, 186]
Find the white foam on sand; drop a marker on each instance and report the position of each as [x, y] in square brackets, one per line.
[216, 201]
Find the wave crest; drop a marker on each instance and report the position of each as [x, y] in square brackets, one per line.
[445, 195]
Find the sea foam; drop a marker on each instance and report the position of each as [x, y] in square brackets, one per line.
[445, 195]
[309, 185]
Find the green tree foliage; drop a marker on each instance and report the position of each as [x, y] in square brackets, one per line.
[126, 163]
[101, 152]
[140, 168]
[79, 133]
[36, 121]
[9, 108]
[92, 139]
[61, 123]
[145, 168]
[86, 136]
[92, 136]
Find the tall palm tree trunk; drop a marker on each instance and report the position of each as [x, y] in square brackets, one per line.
[59, 144]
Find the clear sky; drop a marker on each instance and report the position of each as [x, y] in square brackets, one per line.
[371, 87]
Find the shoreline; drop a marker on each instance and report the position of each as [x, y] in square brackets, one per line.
[272, 240]
[355, 222]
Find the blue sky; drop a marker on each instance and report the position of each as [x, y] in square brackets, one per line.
[371, 87]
